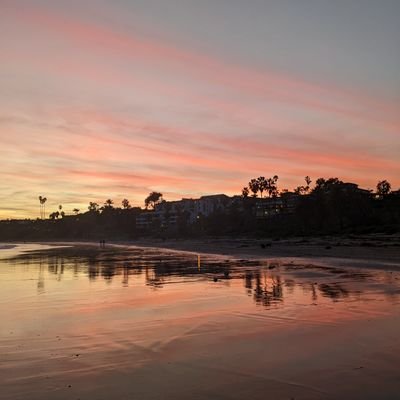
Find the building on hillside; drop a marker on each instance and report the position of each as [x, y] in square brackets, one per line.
[208, 205]
[193, 208]
[353, 187]
[272, 206]
[146, 219]
[168, 213]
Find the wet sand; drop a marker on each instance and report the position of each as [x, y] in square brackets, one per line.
[143, 323]
[365, 251]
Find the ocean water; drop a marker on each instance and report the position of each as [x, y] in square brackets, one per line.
[85, 323]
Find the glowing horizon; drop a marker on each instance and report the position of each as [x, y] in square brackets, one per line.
[117, 100]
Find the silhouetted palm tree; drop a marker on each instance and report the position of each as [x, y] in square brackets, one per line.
[42, 201]
[40, 207]
[44, 206]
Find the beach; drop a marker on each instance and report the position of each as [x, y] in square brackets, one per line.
[218, 319]
[366, 251]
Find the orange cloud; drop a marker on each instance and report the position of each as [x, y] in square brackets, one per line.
[202, 125]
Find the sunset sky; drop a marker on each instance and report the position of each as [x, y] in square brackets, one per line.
[113, 99]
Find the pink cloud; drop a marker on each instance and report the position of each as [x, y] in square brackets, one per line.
[265, 84]
[289, 125]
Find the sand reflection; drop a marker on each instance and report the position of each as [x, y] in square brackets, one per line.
[269, 283]
[81, 322]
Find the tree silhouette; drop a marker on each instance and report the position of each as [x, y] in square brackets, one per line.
[262, 185]
[40, 207]
[245, 192]
[93, 207]
[76, 211]
[42, 201]
[326, 184]
[61, 212]
[383, 188]
[125, 204]
[254, 187]
[304, 189]
[152, 199]
[272, 187]
[108, 204]
[44, 206]
[54, 215]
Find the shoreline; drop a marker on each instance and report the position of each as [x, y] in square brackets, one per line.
[383, 258]
[336, 252]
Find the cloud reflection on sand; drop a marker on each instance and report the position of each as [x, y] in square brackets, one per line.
[268, 282]
[87, 322]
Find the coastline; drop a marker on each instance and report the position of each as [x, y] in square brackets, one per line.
[371, 252]
[323, 252]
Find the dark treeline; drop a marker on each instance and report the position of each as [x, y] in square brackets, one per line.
[331, 206]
